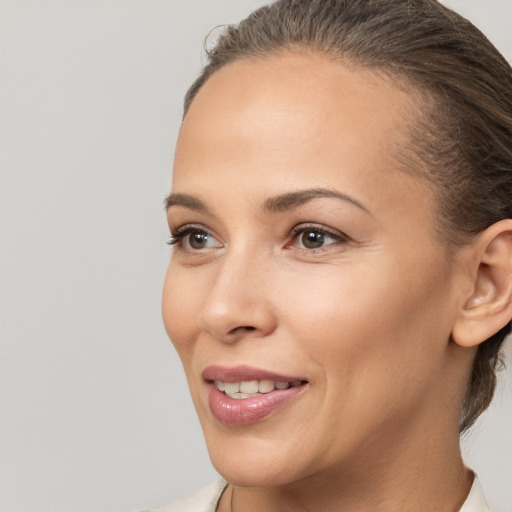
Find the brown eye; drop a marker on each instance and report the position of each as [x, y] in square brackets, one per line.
[312, 239]
[190, 238]
[198, 240]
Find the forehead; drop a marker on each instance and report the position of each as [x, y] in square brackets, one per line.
[314, 80]
[292, 99]
[290, 118]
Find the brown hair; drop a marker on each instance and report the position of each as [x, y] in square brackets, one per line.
[464, 134]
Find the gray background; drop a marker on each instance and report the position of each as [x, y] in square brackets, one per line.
[94, 410]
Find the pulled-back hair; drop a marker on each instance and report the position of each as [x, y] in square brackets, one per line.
[463, 136]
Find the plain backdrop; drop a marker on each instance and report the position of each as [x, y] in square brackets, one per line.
[94, 410]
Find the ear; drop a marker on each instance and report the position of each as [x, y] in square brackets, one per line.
[489, 307]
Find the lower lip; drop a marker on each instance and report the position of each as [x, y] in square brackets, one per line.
[233, 411]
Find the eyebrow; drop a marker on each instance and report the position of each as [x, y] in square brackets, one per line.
[293, 200]
[277, 204]
[185, 200]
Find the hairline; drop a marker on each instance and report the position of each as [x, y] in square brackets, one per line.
[410, 159]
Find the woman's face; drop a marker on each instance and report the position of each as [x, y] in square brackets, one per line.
[304, 256]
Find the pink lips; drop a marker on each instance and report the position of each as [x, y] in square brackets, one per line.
[232, 411]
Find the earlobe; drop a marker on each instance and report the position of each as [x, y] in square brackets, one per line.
[489, 307]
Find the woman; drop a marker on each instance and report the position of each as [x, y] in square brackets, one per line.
[341, 278]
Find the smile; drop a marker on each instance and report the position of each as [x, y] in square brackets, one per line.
[244, 395]
[252, 388]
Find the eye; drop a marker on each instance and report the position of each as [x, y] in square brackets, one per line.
[312, 239]
[193, 239]
[315, 237]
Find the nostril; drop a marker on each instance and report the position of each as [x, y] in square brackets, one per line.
[242, 328]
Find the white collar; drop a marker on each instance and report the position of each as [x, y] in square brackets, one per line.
[475, 502]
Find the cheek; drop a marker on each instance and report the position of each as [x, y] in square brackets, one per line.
[180, 306]
[370, 324]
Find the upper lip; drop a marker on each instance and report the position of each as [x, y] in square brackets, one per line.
[245, 373]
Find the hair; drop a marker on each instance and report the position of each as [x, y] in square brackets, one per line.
[463, 134]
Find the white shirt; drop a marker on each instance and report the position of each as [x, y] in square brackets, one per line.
[475, 502]
[207, 499]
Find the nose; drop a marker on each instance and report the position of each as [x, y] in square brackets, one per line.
[238, 303]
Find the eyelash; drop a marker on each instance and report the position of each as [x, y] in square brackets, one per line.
[180, 233]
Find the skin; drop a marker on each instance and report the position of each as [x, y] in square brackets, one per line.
[366, 318]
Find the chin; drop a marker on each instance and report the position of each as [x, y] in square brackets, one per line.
[251, 462]
[247, 474]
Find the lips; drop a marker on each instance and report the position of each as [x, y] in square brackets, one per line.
[243, 395]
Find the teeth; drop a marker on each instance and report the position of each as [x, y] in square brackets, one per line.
[265, 386]
[239, 396]
[232, 387]
[251, 388]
